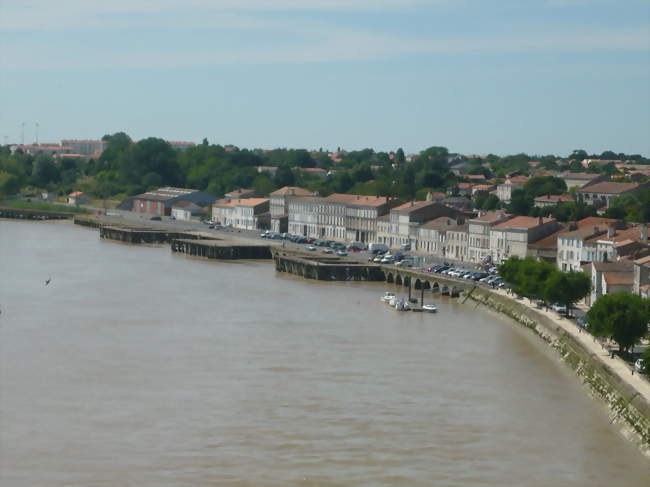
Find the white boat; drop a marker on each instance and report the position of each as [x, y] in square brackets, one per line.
[387, 297]
[402, 305]
[430, 308]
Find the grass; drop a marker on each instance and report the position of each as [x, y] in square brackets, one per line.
[31, 205]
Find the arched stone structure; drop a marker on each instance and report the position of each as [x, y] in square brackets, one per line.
[389, 277]
[398, 280]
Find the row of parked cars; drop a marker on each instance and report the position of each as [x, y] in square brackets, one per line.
[488, 276]
[399, 259]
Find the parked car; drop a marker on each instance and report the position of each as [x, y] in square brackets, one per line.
[327, 250]
[638, 365]
[155, 218]
[441, 269]
[406, 246]
[375, 247]
[388, 260]
[265, 234]
[310, 247]
[559, 308]
[341, 253]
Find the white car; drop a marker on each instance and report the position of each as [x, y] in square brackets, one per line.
[638, 365]
[559, 308]
[310, 247]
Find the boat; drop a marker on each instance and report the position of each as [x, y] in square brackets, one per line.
[429, 308]
[402, 305]
[387, 297]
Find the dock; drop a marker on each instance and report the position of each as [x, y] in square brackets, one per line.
[221, 249]
[324, 267]
[28, 214]
[136, 235]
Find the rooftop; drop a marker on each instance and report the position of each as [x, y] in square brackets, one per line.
[609, 187]
[165, 193]
[555, 198]
[440, 223]
[357, 199]
[292, 191]
[619, 278]
[491, 216]
[413, 206]
[524, 222]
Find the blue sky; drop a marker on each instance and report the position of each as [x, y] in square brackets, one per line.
[477, 76]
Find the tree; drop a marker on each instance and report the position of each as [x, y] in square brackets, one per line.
[400, 158]
[566, 288]
[623, 317]
[284, 176]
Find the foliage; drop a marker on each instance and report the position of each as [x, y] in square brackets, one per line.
[566, 288]
[32, 205]
[622, 317]
[634, 207]
[646, 362]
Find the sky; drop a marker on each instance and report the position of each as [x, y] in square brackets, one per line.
[475, 76]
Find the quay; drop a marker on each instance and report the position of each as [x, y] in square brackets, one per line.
[324, 267]
[145, 235]
[221, 249]
[28, 214]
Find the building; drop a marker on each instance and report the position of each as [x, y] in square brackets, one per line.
[77, 198]
[159, 202]
[552, 200]
[316, 217]
[511, 238]
[573, 246]
[504, 190]
[545, 249]
[45, 149]
[279, 206]
[85, 147]
[243, 213]
[601, 194]
[609, 278]
[456, 242]
[483, 189]
[406, 219]
[361, 213]
[314, 171]
[478, 239]
[187, 210]
[580, 179]
[270, 170]
[432, 235]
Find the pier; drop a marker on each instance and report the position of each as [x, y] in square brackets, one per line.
[144, 235]
[324, 267]
[221, 249]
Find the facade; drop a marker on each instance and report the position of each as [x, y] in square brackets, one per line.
[279, 206]
[186, 210]
[159, 202]
[478, 239]
[406, 219]
[46, 149]
[511, 238]
[601, 194]
[361, 215]
[576, 246]
[641, 274]
[244, 213]
[316, 217]
[456, 242]
[432, 235]
[504, 191]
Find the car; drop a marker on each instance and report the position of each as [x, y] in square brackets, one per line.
[406, 246]
[405, 263]
[155, 218]
[219, 227]
[320, 243]
[341, 253]
[265, 234]
[378, 259]
[327, 250]
[441, 269]
[388, 260]
[558, 308]
[275, 236]
[638, 365]
[477, 276]
[310, 247]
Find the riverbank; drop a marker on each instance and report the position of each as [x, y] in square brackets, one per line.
[627, 394]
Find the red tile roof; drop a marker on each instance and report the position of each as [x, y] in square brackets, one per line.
[609, 187]
[523, 222]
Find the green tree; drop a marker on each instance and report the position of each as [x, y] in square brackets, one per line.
[400, 158]
[622, 317]
[566, 288]
[284, 176]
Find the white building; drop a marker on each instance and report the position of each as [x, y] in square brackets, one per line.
[279, 206]
[245, 213]
[511, 238]
[478, 238]
[504, 190]
[186, 210]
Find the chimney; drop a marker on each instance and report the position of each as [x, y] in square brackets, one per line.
[540, 221]
[611, 230]
[429, 196]
[643, 231]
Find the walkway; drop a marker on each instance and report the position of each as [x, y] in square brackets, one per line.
[618, 365]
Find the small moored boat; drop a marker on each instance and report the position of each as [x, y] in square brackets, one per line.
[402, 305]
[387, 297]
[430, 308]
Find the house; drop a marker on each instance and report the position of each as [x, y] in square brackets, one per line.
[545, 249]
[511, 238]
[580, 179]
[609, 278]
[181, 146]
[85, 147]
[279, 206]
[243, 213]
[270, 170]
[478, 239]
[188, 210]
[314, 171]
[483, 189]
[159, 202]
[574, 247]
[504, 191]
[599, 162]
[432, 235]
[77, 198]
[317, 217]
[552, 200]
[456, 242]
[601, 194]
[361, 213]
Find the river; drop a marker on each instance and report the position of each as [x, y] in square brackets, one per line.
[139, 367]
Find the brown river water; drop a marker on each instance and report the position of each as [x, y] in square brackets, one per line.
[138, 367]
